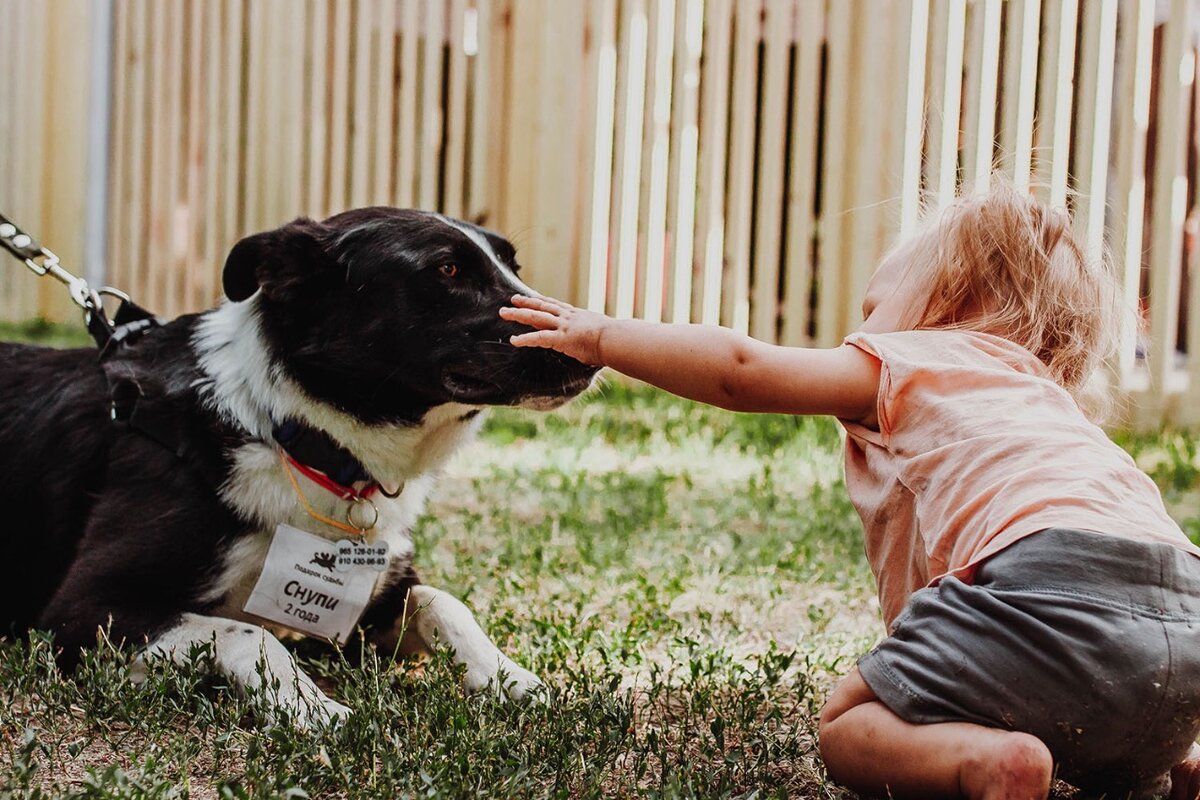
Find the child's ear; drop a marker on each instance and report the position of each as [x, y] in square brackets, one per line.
[280, 262]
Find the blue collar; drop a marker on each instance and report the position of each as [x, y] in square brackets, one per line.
[316, 449]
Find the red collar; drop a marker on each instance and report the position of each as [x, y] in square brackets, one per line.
[327, 483]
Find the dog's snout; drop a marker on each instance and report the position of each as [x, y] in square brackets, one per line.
[490, 326]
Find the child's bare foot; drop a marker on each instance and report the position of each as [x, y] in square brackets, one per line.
[1185, 777]
[1016, 766]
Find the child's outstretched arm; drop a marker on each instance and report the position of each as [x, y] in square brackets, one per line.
[706, 363]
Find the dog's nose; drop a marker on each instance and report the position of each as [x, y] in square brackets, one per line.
[490, 327]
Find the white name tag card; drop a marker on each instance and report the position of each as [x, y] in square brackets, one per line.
[309, 585]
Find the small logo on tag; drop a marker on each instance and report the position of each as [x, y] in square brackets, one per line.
[326, 560]
[351, 555]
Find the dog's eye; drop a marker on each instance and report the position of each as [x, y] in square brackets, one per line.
[448, 270]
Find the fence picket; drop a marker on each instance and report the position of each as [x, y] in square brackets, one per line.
[799, 253]
[156, 221]
[316, 130]
[631, 87]
[361, 97]
[431, 106]
[979, 104]
[1054, 101]
[456, 114]
[1094, 110]
[32, 78]
[1133, 123]
[598, 129]
[651, 279]
[946, 49]
[1168, 204]
[1020, 81]
[683, 158]
[735, 299]
[232, 152]
[339, 111]
[772, 166]
[11, 305]
[500, 57]
[211, 245]
[838, 126]
[189, 266]
[714, 104]
[865, 216]
[482, 64]
[906, 126]
[124, 52]
[383, 92]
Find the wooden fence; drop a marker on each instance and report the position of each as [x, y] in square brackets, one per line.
[742, 162]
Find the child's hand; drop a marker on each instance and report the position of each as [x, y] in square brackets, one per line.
[560, 326]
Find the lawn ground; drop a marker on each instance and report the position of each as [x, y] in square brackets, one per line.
[689, 583]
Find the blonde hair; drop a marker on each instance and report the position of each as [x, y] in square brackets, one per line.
[1002, 263]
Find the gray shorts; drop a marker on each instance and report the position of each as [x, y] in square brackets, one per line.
[1089, 642]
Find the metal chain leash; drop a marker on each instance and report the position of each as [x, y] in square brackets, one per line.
[42, 261]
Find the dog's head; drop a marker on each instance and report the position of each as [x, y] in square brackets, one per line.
[386, 313]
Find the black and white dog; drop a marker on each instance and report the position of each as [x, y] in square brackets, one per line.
[143, 490]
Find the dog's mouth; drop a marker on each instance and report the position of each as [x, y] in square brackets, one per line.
[562, 394]
[466, 385]
[575, 386]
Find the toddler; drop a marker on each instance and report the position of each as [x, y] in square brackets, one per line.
[1043, 611]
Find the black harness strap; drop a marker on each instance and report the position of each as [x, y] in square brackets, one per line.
[163, 419]
[129, 324]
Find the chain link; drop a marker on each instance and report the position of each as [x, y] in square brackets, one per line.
[43, 261]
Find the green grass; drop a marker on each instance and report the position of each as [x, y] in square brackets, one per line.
[688, 582]
[41, 331]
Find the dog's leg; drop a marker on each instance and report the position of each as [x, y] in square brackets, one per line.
[435, 615]
[432, 615]
[250, 656]
[408, 617]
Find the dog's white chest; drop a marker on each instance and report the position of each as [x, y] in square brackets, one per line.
[259, 489]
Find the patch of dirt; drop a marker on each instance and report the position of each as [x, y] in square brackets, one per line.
[74, 747]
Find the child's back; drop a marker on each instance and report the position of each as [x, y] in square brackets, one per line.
[975, 448]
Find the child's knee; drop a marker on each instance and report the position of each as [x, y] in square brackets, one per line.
[1025, 757]
[826, 730]
[851, 693]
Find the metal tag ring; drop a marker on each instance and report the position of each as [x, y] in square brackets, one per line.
[358, 507]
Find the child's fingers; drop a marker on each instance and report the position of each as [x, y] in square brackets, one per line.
[547, 304]
[534, 339]
[534, 319]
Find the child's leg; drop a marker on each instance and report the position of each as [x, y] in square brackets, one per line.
[869, 749]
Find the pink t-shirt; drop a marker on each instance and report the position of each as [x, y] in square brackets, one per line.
[977, 447]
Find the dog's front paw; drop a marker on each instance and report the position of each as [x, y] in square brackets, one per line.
[328, 713]
[309, 709]
[507, 679]
[521, 684]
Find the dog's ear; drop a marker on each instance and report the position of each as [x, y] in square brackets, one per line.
[277, 261]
